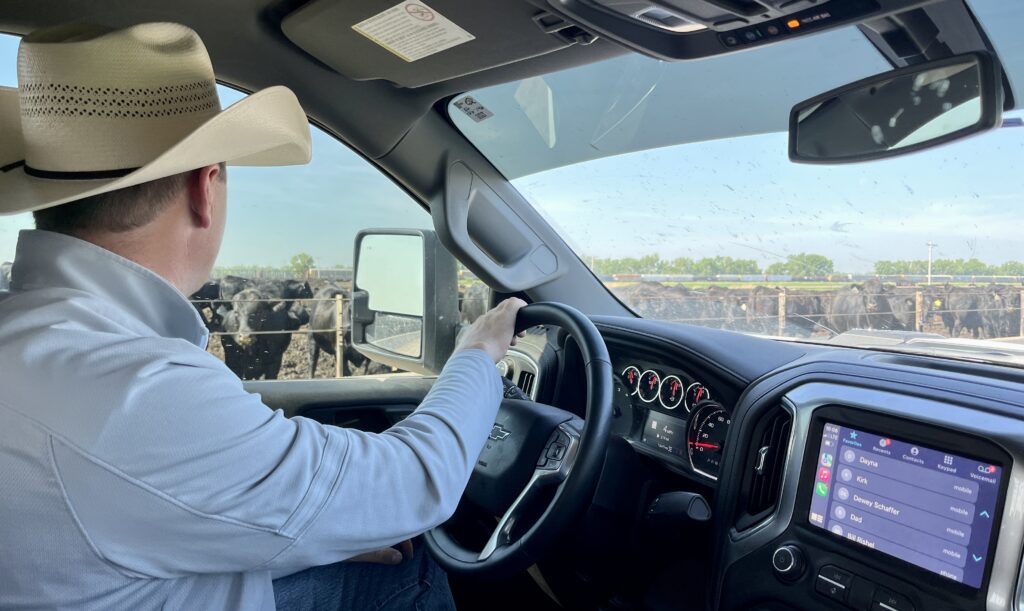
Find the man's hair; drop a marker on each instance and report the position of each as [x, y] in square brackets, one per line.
[115, 211]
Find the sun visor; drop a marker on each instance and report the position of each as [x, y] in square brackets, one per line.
[415, 43]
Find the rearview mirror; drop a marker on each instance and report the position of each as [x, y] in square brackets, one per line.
[899, 112]
[404, 299]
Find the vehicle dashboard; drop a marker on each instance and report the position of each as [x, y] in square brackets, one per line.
[930, 515]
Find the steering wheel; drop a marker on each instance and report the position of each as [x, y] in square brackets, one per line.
[532, 448]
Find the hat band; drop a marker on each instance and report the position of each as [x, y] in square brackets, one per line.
[91, 175]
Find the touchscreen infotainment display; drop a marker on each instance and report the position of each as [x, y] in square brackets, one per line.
[932, 508]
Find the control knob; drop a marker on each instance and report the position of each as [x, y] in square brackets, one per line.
[788, 562]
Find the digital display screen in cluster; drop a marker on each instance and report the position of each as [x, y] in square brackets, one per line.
[931, 508]
[665, 433]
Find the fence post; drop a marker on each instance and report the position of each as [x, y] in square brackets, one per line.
[339, 338]
[918, 310]
[1020, 331]
[782, 312]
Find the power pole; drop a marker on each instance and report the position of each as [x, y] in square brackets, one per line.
[931, 245]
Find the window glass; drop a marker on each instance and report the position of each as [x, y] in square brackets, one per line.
[290, 237]
[672, 182]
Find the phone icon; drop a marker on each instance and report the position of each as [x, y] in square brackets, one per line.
[821, 488]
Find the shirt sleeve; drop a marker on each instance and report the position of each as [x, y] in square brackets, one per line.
[195, 475]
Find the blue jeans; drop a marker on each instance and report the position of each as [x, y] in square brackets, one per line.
[414, 584]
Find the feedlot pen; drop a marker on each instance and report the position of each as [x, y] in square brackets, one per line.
[793, 309]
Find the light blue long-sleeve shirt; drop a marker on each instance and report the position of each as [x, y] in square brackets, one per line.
[137, 473]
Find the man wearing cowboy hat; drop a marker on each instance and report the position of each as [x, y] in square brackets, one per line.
[135, 471]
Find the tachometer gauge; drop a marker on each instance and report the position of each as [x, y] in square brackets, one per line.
[630, 379]
[696, 393]
[650, 386]
[671, 394]
[706, 438]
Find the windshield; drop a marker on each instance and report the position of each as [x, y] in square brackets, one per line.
[672, 182]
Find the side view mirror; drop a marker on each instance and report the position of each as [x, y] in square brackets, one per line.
[899, 112]
[404, 299]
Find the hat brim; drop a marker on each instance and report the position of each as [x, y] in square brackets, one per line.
[267, 128]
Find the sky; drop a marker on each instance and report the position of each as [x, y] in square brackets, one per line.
[737, 196]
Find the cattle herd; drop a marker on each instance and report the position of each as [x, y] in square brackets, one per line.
[980, 312]
[256, 320]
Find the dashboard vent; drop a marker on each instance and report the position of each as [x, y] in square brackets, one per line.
[526, 379]
[767, 463]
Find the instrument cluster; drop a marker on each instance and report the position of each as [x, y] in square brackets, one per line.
[678, 416]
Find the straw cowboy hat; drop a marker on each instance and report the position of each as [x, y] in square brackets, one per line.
[97, 110]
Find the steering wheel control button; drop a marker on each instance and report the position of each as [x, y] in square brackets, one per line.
[833, 582]
[788, 562]
[556, 451]
[887, 600]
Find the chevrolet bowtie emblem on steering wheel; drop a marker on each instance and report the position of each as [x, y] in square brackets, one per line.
[498, 433]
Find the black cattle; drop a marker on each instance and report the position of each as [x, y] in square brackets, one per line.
[655, 300]
[229, 286]
[205, 302]
[959, 308]
[249, 350]
[5, 275]
[863, 306]
[725, 308]
[323, 321]
[1001, 314]
[903, 305]
[288, 291]
[805, 313]
[473, 302]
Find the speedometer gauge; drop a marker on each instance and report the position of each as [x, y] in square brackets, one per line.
[671, 394]
[706, 438]
[650, 386]
[630, 379]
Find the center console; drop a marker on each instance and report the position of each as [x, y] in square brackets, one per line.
[887, 513]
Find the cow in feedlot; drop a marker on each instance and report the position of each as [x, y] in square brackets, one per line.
[959, 307]
[473, 302]
[804, 314]
[249, 350]
[205, 300]
[5, 275]
[862, 306]
[323, 320]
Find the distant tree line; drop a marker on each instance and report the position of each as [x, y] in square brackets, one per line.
[654, 264]
[796, 265]
[952, 267]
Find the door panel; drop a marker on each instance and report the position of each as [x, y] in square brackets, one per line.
[368, 403]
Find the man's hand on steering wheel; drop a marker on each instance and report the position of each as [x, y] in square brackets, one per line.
[494, 332]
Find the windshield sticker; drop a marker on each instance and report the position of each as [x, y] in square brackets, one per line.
[473, 108]
[412, 31]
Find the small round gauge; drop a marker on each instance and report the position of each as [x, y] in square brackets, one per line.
[671, 394]
[695, 393]
[650, 386]
[706, 439]
[630, 379]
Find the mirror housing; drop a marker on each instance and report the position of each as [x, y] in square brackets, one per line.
[405, 310]
[899, 112]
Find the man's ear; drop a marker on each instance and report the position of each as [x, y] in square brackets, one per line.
[202, 194]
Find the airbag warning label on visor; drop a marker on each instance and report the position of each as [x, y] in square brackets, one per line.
[412, 31]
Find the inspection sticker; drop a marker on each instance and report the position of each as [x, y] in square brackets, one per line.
[473, 108]
[412, 31]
